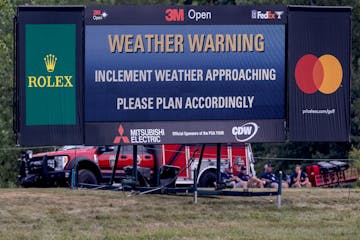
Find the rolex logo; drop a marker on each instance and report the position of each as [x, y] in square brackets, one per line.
[50, 62]
[49, 81]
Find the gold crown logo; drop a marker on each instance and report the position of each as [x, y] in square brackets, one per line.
[50, 61]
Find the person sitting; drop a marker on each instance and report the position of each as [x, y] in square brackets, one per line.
[270, 179]
[227, 174]
[250, 181]
[229, 179]
[299, 178]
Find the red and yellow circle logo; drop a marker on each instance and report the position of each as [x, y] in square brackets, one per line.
[322, 74]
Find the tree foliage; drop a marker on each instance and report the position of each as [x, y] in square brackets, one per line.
[8, 159]
[8, 156]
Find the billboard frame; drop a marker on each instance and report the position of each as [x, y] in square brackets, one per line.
[25, 137]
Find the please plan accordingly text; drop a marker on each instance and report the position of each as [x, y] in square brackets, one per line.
[167, 103]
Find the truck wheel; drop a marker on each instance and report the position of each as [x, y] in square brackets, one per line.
[87, 176]
[207, 179]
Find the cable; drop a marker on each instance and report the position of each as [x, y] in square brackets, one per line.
[211, 155]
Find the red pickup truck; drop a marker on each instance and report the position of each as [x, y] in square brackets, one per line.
[95, 164]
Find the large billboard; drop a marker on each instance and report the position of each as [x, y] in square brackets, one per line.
[182, 74]
[319, 73]
[206, 66]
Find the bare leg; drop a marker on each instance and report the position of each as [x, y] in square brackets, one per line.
[257, 182]
[307, 185]
[274, 185]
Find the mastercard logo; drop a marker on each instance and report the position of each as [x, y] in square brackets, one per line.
[322, 74]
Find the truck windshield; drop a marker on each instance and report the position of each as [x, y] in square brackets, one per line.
[129, 149]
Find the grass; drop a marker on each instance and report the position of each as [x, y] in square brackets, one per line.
[87, 214]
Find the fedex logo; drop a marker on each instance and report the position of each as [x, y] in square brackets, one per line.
[174, 15]
[266, 15]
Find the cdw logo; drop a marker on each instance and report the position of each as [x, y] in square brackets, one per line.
[245, 132]
[174, 15]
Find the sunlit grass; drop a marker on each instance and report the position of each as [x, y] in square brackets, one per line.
[86, 214]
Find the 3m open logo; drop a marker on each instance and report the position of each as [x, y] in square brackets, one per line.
[121, 136]
[245, 132]
[99, 14]
[174, 15]
[322, 74]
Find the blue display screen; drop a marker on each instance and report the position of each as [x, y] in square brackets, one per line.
[184, 72]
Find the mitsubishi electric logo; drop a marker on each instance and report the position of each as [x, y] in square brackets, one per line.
[121, 137]
[245, 132]
[139, 135]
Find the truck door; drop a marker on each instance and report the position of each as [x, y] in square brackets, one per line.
[107, 159]
[175, 154]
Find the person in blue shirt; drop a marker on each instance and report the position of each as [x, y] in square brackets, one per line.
[299, 178]
[227, 176]
[270, 179]
[247, 180]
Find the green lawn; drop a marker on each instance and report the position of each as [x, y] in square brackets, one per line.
[86, 214]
